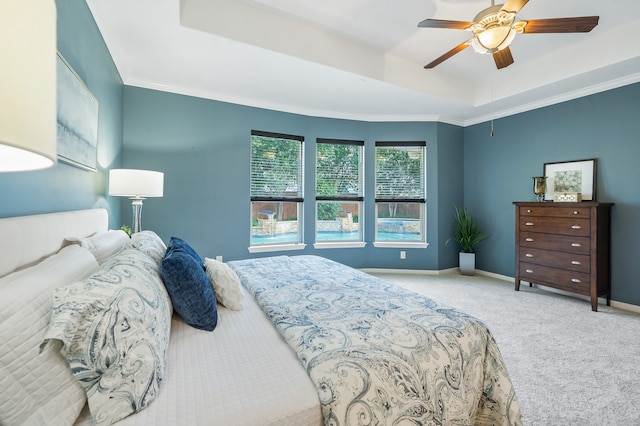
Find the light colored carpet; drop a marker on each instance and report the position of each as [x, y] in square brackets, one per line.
[569, 365]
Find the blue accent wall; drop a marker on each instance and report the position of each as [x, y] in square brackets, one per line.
[64, 187]
[203, 147]
[498, 171]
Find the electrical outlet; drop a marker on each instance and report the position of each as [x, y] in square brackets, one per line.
[219, 258]
[403, 254]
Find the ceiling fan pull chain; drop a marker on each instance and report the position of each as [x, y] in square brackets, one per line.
[492, 106]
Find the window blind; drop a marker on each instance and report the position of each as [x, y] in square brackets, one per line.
[400, 171]
[339, 165]
[277, 167]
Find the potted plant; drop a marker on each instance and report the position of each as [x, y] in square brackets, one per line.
[468, 236]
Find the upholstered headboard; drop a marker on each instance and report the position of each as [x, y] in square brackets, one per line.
[28, 239]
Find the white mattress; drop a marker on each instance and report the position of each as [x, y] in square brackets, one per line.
[241, 374]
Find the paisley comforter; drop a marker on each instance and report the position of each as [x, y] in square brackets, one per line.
[379, 354]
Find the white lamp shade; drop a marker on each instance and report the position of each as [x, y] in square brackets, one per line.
[136, 183]
[27, 84]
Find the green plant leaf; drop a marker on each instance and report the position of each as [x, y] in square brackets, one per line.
[467, 231]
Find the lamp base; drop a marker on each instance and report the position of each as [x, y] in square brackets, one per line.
[136, 205]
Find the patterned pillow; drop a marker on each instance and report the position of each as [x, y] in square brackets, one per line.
[114, 327]
[191, 292]
[225, 282]
[150, 243]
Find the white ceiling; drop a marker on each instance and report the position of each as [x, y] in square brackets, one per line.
[364, 59]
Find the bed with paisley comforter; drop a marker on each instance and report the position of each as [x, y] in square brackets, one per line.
[89, 335]
[379, 354]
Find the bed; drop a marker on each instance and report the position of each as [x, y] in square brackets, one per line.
[278, 361]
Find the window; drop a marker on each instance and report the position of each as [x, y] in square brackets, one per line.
[339, 193]
[277, 170]
[400, 194]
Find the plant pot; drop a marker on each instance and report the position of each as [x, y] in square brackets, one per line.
[467, 263]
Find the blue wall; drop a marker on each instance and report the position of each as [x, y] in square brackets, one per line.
[64, 187]
[498, 171]
[203, 147]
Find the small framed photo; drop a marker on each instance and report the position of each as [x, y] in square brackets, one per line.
[571, 176]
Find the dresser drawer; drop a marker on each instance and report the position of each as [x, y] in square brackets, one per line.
[556, 211]
[577, 282]
[556, 225]
[556, 259]
[567, 243]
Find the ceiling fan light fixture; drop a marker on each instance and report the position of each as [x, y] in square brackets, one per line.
[494, 29]
[493, 39]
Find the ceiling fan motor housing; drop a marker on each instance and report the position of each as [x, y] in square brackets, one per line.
[494, 29]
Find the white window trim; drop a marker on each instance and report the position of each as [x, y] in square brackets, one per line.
[399, 244]
[335, 244]
[264, 248]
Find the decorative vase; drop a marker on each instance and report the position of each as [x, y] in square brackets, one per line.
[539, 187]
[467, 263]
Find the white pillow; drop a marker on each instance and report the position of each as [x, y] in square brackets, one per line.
[102, 244]
[37, 388]
[225, 283]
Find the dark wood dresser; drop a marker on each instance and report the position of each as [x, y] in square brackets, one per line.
[564, 246]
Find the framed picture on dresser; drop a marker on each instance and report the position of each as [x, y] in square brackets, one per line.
[571, 176]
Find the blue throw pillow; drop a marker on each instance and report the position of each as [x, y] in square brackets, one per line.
[181, 245]
[188, 286]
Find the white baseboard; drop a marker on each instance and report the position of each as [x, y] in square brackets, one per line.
[601, 300]
[407, 271]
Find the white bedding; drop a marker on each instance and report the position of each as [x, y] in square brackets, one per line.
[241, 374]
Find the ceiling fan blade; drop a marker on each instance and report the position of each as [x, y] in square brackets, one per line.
[503, 58]
[582, 24]
[514, 5]
[443, 23]
[457, 49]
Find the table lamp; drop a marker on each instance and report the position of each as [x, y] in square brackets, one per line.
[137, 185]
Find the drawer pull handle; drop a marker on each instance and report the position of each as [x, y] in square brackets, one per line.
[529, 239]
[576, 227]
[529, 271]
[529, 255]
[576, 245]
[575, 280]
[576, 262]
[575, 212]
[529, 223]
[528, 210]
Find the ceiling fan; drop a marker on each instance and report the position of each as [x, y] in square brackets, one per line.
[495, 27]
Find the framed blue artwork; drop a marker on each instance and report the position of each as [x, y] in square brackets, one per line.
[77, 119]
